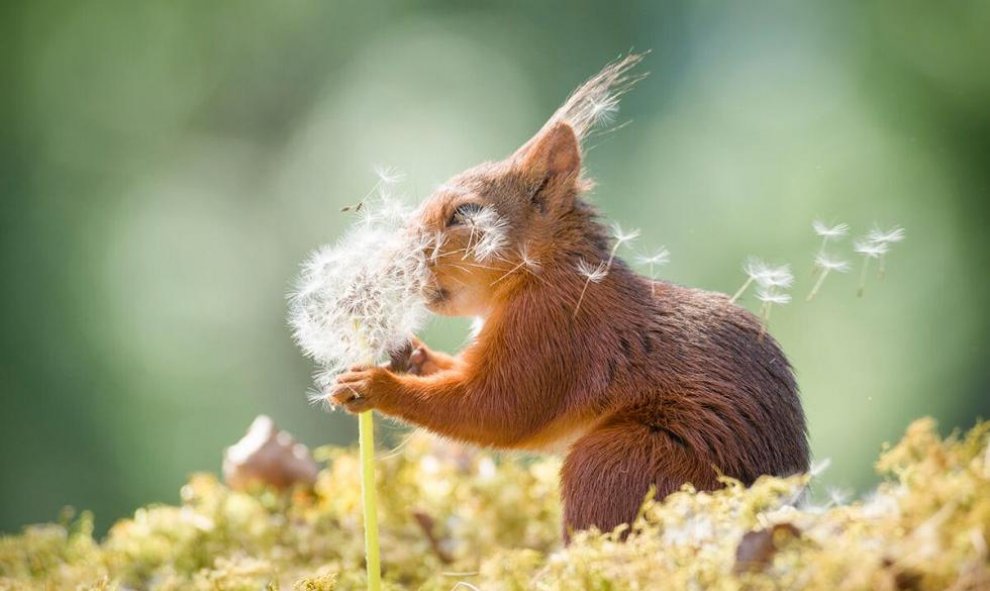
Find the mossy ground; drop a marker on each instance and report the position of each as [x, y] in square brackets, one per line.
[453, 518]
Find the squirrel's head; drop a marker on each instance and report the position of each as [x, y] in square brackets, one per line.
[500, 222]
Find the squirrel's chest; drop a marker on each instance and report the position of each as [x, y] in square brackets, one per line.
[558, 437]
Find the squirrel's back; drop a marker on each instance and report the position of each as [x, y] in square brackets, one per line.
[705, 372]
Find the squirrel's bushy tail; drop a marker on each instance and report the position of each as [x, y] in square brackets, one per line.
[595, 102]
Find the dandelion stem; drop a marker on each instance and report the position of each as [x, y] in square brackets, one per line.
[369, 498]
[881, 268]
[741, 291]
[366, 437]
[818, 284]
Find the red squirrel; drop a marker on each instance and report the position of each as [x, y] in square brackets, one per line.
[643, 384]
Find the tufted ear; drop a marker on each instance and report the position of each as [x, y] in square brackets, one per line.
[552, 161]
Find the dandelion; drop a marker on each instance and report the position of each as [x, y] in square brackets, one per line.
[764, 275]
[878, 236]
[362, 298]
[658, 259]
[869, 250]
[598, 273]
[353, 304]
[826, 264]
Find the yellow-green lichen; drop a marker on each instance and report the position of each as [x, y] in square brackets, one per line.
[454, 518]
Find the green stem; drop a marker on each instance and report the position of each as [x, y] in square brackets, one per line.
[366, 437]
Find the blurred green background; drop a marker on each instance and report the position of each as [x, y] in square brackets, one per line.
[165, 166]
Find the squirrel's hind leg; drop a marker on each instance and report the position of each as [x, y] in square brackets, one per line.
[609, 471]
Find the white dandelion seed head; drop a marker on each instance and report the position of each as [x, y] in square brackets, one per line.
[621, 236]
[660, 257]
[871, 249]
[489, 233]
[894, 234]
[593, 273]
[356, 301]
[825, 261]
[830, 232]
[772, 296]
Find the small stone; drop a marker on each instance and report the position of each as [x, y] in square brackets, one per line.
[266, 455]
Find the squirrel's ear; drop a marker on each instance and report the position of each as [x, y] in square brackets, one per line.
[552, 157]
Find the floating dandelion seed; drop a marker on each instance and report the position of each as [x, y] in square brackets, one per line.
[596, 102]
[764, 275]
[388, 175]
[753, 267]
[878, 236]
[828, 233]
[771, 296]
[895, 234]
[826, 264]
[489, 233]
[526, 261]
[869, 250]
[658, 259]
[776, 277]
[621, 237]
[592, 274]
[598, 273]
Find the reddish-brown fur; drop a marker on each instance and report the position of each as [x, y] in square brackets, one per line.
[646, 384]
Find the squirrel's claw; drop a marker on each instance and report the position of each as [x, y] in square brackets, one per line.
[356, 390]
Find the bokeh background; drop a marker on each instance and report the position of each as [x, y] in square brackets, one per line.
[164, 167]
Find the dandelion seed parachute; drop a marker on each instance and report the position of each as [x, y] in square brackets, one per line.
[894, 234]
[489, 234]
[593, 273]
[829, 232]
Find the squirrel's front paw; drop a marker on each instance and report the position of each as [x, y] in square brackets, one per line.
[416, 359]
[360, 388]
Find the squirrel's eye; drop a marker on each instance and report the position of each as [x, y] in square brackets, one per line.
[462, 213]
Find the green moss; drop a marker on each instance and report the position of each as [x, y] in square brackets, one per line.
[451, 516]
